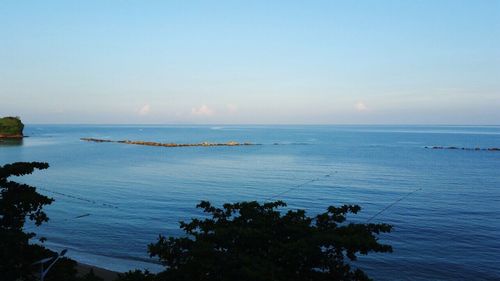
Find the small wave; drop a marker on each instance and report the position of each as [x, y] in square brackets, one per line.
[292, 143]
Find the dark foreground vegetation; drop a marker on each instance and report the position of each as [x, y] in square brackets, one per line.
[241, 241]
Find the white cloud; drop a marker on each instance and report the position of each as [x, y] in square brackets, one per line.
[360, 106]
[203, 110]
[144, 110]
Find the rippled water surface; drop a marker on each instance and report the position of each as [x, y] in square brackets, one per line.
[113, 199]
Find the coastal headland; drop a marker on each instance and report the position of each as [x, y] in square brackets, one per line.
[150, 143]
[11, 128]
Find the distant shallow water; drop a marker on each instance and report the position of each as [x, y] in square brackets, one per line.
[448, 230]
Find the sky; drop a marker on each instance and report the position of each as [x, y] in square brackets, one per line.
[251, 62]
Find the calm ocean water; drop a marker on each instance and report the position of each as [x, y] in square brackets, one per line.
[114, 199]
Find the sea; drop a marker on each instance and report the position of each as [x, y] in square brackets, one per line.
[112, 199]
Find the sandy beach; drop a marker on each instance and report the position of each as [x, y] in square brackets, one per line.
[107, 275]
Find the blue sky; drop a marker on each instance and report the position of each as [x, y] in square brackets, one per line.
[251, 62]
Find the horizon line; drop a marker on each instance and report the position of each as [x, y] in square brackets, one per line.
[269, 124]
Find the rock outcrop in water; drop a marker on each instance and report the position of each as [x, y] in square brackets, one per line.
[464, 148]
[150, 143]
[11, 127]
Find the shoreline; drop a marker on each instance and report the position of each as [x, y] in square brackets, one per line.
[10, 137]
[107, 275]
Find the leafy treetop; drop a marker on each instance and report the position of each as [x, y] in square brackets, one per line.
[19, 202]
[253, 241]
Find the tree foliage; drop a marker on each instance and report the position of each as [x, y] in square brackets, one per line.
[17, 203]
[252, 241]
[20, 202]
[11, 126]
[137, 275]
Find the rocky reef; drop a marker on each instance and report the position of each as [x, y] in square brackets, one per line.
[150, 143]
[11, 128]
[464, 148]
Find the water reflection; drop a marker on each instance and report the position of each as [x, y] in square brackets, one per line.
[11, 142]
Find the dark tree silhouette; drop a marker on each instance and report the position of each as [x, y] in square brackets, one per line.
[252, 241]
[19, 202]
[137, 275]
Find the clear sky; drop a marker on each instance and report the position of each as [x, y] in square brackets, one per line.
[257, 62]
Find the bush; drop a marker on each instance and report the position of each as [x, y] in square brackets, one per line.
[136, 275]
[252, 241]
[19, 202]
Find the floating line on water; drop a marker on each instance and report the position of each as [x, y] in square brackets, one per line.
[393, 203]
[79, 198]
[77, 217]
[81, 216]
[299, 186]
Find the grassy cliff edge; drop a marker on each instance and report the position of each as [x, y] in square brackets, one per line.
[11, 127]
